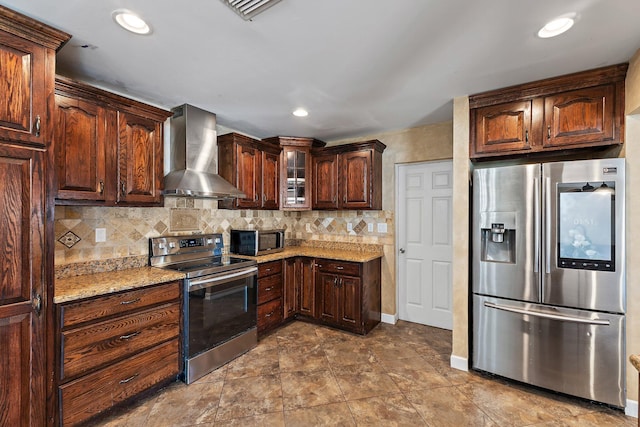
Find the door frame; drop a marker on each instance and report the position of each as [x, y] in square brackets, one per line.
[396, 246]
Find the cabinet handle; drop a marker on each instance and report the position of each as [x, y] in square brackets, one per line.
[335, 281]
[101, 187]
[267, 269]
[526, 135]
[339, 267]
[37, 125]
[133, 301]
[548, 132]
[123, 188]
[269, 314]
[129, 336]
[268, 289]
[255, 198]
[131, 378]
[344, 199]
[36, 303]
[335, 199]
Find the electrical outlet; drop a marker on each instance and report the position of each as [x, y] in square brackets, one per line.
[101, 235]
[370, 227]
[382, 227]
[349, 226]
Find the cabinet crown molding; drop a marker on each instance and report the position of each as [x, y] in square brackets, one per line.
[23, 26]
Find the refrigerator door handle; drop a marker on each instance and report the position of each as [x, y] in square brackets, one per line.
[536, 225]
[547, 315]
[547, 225]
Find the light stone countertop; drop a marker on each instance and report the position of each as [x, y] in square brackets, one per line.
[315, 252]
[635, 361]
[91, 285]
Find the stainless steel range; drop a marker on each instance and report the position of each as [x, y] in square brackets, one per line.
[220, 299]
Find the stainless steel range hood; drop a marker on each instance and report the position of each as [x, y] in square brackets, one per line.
[192, 157]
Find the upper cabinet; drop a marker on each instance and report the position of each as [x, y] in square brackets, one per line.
[348, 176]
[295, 171]
[574, 111]
[27, 61]
[253, 167]
[108, 149]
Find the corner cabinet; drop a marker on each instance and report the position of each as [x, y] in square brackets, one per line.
[348, 176]
[580, 110]
[299, 287]
[253, 167]
[108, 149]
[27, 72]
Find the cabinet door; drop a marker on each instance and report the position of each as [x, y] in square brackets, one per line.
[328, 297]
[325, 176]
[580, 117]
[270, 180]
[503, 128]
[80, 135]
[22, 318]
[307, 286]
[291, 291]
[296, 190]
[249, 176]
[139, 159]
[22, 84]
[350, 301]
[356, 180]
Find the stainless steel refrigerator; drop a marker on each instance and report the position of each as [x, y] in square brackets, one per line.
[548, 276]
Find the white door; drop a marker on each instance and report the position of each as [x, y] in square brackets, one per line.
[424, 234]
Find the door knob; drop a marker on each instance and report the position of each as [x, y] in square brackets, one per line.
[402, 250]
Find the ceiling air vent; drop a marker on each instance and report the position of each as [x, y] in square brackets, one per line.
[247, 9]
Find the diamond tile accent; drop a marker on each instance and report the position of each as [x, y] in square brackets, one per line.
[69, 239]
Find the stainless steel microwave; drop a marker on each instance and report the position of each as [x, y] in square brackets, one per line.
[256, 242]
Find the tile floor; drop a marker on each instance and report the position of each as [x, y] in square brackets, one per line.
[398, 375]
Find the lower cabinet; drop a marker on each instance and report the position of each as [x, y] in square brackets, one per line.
[269, 295]
[113, 347]
[299, 287]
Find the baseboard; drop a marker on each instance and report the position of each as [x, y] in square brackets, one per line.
[631, 409]
[389, 318]
[460, 363]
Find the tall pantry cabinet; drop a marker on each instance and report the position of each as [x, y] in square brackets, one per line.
[27, 72]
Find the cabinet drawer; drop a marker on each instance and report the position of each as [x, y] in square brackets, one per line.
[338, 267]
[94, 393]
[89, 347]
[269, 314]
[269, 288]
[95, 308]
[269, 268]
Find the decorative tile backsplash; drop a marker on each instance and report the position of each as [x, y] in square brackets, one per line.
[128, 229]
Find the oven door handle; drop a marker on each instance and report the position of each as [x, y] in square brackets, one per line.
[199, 284]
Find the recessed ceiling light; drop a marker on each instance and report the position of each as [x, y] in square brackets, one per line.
[301, 112]
[557, 26]
[130, 21]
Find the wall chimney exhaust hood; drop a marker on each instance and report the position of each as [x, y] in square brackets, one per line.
[193, 153]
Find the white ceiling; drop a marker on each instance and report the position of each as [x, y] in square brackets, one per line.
[358, 66]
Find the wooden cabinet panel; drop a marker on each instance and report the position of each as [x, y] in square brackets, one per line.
[350, 308]
[269, 315]
[307, 287]
[269, 288]
[270, 180]
[339, 267]
[22, 327]
[248, 174]
[269, 268]
[139, 159]
[579, 116]
[291, 296]
[327, 297]
[325, 175]
[356, 183]
[80, 149]
[504, 127]
[86, 348]
[89, 395]
[87, 310]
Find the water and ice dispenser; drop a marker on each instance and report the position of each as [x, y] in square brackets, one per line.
[498, 237]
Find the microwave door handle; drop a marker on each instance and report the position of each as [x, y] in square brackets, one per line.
[218, 280]
[256, 240]
[547, 225]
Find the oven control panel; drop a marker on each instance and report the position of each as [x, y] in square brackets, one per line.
[176, 245]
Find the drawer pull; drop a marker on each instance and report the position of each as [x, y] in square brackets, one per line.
[131, 378]
[37, 125]
[267, 269]
[268, 289]
[269, 314]
[133, 301]
[339, 267]
[129, 336]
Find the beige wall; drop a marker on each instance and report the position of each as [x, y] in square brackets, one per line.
[425, 143]
[632, 138]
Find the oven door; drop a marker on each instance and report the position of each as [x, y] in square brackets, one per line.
[220, 307]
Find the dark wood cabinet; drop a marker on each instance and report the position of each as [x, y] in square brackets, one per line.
[299, 287]
[580, 110]
[108, 149]
[348, 294]
[348, 176]
[270, 290]
[27, 71]
[253, 167]
[113, 347]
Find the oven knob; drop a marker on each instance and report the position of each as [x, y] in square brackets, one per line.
[172, 245]
[209, 241]
[162, 246]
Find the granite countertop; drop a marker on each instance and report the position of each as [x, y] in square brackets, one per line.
[635, 361]
[316, 252]
[90, 285]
